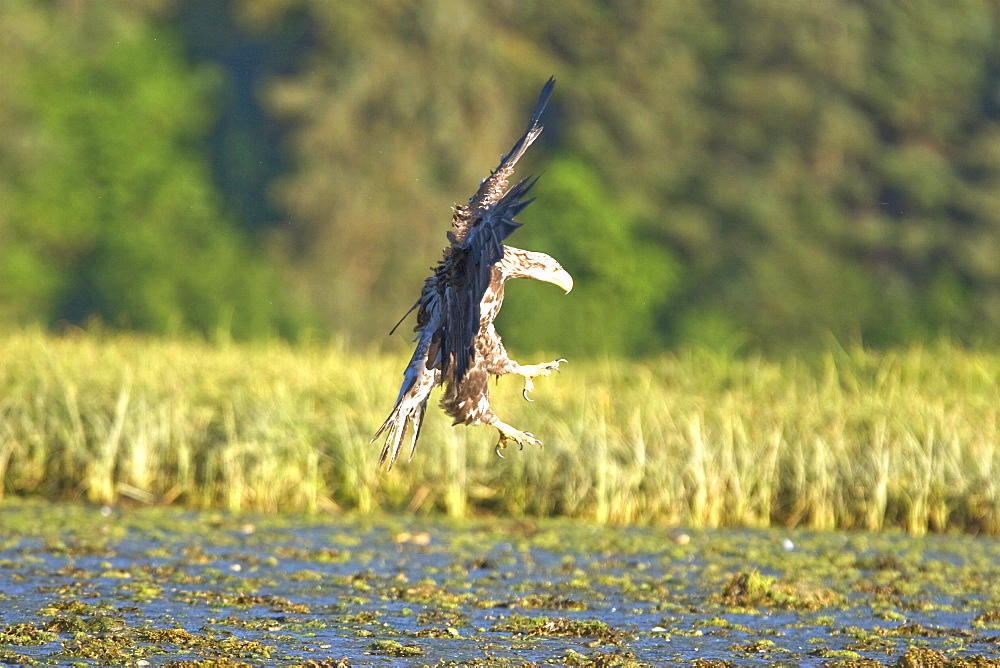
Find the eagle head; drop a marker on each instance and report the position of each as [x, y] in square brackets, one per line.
[517, 263]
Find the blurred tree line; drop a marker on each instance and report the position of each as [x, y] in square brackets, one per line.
[776, 173]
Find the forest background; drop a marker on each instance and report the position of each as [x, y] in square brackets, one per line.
[767, 175]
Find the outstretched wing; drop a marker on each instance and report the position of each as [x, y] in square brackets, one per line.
[477, 234]
[466, 278]
[493, 186]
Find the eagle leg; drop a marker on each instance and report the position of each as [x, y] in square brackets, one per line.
[532, 371]
[509, 433]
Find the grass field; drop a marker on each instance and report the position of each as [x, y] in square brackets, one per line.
[852, 439]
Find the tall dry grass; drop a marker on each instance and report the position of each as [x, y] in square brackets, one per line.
[850, 440]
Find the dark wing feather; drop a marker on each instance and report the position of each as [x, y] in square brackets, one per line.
[419, 379]
[493, 186]
[467, 272]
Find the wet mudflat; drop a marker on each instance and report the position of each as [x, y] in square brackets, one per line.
[160, 586]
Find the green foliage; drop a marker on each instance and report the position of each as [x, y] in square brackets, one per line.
[827, 195]
[621, 281]
[108, 208]
[791, 172]
[767, 174]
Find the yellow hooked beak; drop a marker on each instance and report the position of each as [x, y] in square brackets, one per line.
[562, 279]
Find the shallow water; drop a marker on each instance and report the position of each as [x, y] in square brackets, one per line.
[82, 584]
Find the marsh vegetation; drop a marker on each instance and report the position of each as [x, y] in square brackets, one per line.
[849, 440]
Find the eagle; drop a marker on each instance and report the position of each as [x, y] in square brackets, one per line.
[457, 344]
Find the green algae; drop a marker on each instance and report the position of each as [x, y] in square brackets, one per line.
[394, 648]
[518, 624]
[168, 587]
[753, 590]
[25, 634]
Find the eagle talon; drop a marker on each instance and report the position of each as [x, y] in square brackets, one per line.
[508, 434]
[532, 371]
[529, 385]
[529, 437]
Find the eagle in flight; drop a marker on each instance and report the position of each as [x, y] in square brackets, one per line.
[457, 344]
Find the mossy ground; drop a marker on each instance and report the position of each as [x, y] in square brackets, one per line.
[160, 586]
